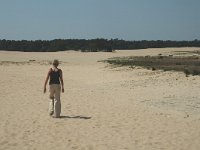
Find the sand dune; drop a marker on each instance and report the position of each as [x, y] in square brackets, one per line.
[103, 108]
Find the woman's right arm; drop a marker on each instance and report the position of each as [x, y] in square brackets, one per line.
[61, 79]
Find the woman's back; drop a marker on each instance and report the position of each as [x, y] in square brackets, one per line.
[54, 76]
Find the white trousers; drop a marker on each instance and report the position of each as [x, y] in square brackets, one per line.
[55, 104]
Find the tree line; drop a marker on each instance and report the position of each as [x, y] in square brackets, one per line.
[92, 45]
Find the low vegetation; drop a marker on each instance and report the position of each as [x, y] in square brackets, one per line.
[190, 65]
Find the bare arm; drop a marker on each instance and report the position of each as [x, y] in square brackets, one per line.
[61, 80]
[45, 83]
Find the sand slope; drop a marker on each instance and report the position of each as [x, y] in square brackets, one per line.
[103, 108]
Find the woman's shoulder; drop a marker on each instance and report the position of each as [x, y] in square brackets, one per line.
[50, 70]
[53, 70]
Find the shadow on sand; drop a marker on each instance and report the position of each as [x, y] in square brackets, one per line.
[75, 117]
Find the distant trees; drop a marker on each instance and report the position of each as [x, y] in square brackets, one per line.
[93, 45]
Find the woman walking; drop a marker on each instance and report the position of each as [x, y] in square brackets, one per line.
[56, 77]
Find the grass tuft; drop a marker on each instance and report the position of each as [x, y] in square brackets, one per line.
[190, 65]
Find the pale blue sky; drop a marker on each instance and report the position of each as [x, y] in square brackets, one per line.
[88, 19]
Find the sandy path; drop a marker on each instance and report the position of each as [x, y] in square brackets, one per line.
[103, 108]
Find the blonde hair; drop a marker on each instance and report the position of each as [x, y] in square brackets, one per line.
[55, 62]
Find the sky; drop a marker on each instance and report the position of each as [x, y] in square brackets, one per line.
[90, 19]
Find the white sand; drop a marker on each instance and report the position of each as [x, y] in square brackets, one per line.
[118, 108]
